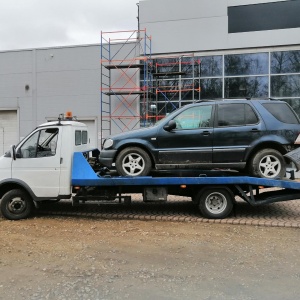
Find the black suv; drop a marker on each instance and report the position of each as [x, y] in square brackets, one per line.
[248, 135]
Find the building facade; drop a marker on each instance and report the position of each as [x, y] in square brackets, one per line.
[200, 49]
[246, 48]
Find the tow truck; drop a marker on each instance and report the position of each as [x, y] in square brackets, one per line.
[56, 161]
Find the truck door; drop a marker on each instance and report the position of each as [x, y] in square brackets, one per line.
[38, 162]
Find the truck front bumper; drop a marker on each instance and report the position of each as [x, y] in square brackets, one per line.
[106, 157]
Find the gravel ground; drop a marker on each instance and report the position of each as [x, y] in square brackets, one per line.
[53, 257]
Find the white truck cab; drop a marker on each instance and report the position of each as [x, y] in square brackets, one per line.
[40, 165]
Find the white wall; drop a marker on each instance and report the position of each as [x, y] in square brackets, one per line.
[202, 25]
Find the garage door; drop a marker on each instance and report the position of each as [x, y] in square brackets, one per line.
[9, 131]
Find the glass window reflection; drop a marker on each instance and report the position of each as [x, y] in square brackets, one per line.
[242, 87]
[246, 64]
[285, 62]
[285, 86]
[211, 66]
[211, 88]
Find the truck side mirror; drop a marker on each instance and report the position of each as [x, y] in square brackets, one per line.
[13, 152]
[170, 126]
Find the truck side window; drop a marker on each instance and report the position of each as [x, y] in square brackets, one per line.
[81, 137]
[41, 144]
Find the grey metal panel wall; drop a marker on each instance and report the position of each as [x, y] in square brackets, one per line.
[202, 25]
[59, 79]
[15, 74]
[68, 79]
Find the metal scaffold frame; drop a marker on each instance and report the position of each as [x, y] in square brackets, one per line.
[138, 89]
[124, 58]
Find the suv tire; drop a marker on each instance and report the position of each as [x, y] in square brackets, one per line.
[133, 161]
[268, 163]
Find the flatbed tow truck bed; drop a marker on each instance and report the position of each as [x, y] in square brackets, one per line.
[214, 195]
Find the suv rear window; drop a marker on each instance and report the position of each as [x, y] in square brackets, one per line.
[282, 112]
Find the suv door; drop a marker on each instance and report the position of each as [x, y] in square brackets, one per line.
[191, 142]
[237, 125]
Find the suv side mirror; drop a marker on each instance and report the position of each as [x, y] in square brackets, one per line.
[170, 126]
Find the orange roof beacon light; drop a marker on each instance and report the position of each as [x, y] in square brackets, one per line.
[68, 115]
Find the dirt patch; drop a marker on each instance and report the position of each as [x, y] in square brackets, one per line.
[81, 258]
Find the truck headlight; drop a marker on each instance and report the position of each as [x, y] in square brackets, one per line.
[108, 143]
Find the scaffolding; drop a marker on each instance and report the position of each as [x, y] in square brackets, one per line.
[138, 89]
[125, 57]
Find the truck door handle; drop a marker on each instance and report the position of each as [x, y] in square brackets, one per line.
[61, 160]
[255, 130]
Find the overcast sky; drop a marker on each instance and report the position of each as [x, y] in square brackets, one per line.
[43, 23]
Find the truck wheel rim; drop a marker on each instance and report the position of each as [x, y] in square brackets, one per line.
[16, 205]
[133, 164]
[216, 203]
[270, 166]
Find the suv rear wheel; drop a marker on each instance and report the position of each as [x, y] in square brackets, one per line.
[268, 163]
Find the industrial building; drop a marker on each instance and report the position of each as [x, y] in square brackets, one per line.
[181, 52]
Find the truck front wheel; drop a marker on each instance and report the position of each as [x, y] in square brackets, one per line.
[16, 204]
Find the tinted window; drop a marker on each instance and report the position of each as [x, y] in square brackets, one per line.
[211, 88]
[211, 66]
[250, 115]
[282, 112]
[285, 62]
[246, 64]
[236, 115]
[264, 16]
[285, 86]
[242, 87]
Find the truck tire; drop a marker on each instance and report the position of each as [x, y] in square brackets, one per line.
[215, 203]
[133, 161]
[16, 204]
[268, 163]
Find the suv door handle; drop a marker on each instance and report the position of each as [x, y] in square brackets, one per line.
[206, 132]
[255, 130]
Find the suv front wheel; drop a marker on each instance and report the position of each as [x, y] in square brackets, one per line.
[133, 161]
[268, 163]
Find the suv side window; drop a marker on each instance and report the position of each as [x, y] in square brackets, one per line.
[282, 112]
[194, 117]
[236, 114]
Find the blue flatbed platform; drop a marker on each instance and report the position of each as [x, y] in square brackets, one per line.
[84, 175]
[213, 192]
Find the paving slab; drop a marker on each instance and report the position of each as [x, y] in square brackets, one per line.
[181, 209]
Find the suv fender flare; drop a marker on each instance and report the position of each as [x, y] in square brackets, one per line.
[137, 143]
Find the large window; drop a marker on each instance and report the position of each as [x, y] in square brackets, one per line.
[181, 80]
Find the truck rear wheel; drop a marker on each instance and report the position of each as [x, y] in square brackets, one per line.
[215, 203]
[16, 204]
